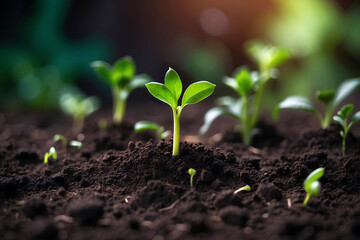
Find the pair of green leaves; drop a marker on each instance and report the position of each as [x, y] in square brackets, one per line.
[242, 82]
[78, 105]
[147, 125]
[170, 92]
[311, 184]
[52, 153]
[343, 114]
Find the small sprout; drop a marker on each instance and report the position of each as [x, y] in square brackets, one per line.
[78, 107]
[192, 172]
[170, 93]
[102, 124]
[311, 185]
[59, 137]
[76, 144]
[342, 119]
[329, 98]
[146, 125]
[122, 79]
[245, 188]
[51, 153]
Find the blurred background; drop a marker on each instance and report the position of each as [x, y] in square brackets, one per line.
[46, 46]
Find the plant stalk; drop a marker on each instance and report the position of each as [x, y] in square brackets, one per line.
[306, 199]
[245, 123]
[119, 106]
[176, 137]
[191, 181]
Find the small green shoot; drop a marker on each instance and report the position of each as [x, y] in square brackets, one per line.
[245, 188]
[58, 137]
[192, 173]
[250, 87]
[79, 108]
[51, 153]
[147, 125]
[122, 79]
[311, 185]
[170, 93]
[102, 124]
[342, 119]
[329, 98]
[77, 144]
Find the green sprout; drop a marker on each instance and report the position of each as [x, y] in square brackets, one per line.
[250, 87]
[122, 79]
[58, 137]
[311, 185]
[79, 108]
[342, 119]
[192, 173]
[51, 153]
[147, 125]
[329, 98]
[102, 124]
[76, 144]
[170, 94]
[245, 188]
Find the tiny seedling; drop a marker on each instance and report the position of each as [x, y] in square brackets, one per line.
[245, 188]
[51, 153]
[170, 93]
[192, 173]
[311, 185]
[342, 119]
[79, 108]
[58, 137]
[77, 144]
[250, 87]
[102, 124]
[147, 125]
[122, 79]
[329, 98]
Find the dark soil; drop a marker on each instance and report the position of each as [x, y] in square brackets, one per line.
[123, 185]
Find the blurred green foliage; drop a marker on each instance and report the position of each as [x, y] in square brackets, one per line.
[41, 61]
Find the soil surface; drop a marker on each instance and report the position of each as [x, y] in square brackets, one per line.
[123, 185]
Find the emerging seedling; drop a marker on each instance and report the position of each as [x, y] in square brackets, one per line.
[79, 108]
[122, 79]
[250, 87]
[329, 98]
[170, 94]
[76, 144]
[342, 119]
[192, 173]
[245, 188]
[311, 185]
[51, 153]
[147, 125]
[59, 137]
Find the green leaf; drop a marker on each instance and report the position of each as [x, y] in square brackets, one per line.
[76, 144]
[244, 82]
[345, 111]
[137, 81]
[325, 96]
[197, 92]
[123, 70]
[52, 152]
[339, 120]
[315, 188]
[145, 125]
[294, 102]
[103, 70]
[345, 89]
[161, 92]
[231, 82]
[354, 119]
[89, 105]
[173, 83]
[313, 176]
[192, 171]
[213, 114]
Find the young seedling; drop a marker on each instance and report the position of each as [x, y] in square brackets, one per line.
[245, 188]
[192, 173]
[76, 144]
[51, 153]
[342, 119]
[311, 185]
[79, 108]
[250, 87]
[102, 124]
[329, 98]
[170, 94]
[59, 137]
[147, 125]
[122, 79]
